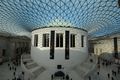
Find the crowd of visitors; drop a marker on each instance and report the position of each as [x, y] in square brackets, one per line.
[104, 63]
[13, 65]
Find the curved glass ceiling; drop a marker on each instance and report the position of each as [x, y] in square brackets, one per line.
[98, 17]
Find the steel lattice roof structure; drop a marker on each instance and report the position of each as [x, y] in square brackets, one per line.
[98, 17]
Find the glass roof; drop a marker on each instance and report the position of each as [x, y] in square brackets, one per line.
[98, 17]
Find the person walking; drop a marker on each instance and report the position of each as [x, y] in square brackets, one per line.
[67, 77]
[108, 75]
[89, 77]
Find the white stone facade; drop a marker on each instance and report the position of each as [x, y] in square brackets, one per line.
[41, 54]
[105, 45]
[9, 46]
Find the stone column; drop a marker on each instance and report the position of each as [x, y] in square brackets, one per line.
[115, 47]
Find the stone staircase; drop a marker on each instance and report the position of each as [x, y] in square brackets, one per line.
[30, 66]
[85, 68]
[82, 70]
[38, 71]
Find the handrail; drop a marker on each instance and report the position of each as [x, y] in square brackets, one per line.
[89, 68]
[30, 66]
[93, 67]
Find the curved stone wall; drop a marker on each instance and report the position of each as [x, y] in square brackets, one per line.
[77, 54]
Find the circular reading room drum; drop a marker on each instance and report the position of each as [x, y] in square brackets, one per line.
[59, 45]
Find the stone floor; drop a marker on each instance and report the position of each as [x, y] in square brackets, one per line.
[103, 73]
[7, 74]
